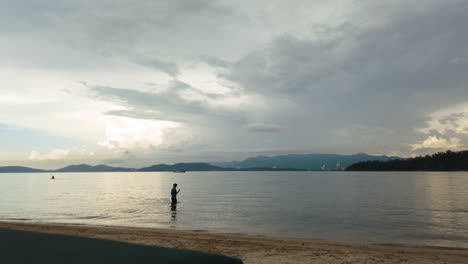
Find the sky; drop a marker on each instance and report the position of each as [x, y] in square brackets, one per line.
[139, 82]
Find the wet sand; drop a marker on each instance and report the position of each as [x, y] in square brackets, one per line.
[257, 249]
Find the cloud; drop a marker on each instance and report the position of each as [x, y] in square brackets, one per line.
[214, 61]
[130, 133]
[90, 32]
[341, 76]
[433, 142]
[150, 105]
[19, 100]
[458, 60]
[168, 67]
[453, 119]
[446, 128]
[60, 154]
[194, 95]
[381, 73]
[264, 128]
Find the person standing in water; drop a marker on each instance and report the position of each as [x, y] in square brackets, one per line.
[174, 193]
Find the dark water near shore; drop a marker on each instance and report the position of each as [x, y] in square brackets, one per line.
[424, 208]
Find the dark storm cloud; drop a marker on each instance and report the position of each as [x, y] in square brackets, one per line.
[392, 76]
[168, 105]
[146, 105]
[116, 13]
[53, 32]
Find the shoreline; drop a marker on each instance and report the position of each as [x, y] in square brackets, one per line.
[253, 249]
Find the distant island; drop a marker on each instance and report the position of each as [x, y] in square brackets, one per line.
[18, 169]
[441, 161]
[198, 166]
[292, 162]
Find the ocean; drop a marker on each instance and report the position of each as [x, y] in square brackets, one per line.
[416, 208]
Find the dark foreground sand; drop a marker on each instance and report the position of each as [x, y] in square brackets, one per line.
[257, 249]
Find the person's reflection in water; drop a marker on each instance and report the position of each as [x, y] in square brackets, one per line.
[173, 211]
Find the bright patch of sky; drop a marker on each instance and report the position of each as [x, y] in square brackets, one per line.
[18, 141]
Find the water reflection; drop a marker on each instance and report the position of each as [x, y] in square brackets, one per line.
[173, 211]
[444, 211]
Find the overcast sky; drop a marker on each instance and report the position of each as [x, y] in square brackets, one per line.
[140, 82]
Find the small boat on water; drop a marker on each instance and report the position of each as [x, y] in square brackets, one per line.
[179, 171]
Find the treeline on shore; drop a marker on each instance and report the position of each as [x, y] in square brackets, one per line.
[441, 161]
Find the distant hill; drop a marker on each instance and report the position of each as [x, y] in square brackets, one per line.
[259, 163]
[89, 168]
[265, 169]
[441, 161]
[198, 166]
[303, 161]
[18, 169]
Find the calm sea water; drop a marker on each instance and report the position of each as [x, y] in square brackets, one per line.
[424, 208]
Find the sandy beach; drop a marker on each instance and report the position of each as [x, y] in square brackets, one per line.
[257, 249]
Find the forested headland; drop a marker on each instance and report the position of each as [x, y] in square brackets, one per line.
[441, 161]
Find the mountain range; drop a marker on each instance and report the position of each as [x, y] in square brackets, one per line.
[259, 163]
[304, 161]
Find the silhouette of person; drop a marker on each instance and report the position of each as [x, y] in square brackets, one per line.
[174, 193]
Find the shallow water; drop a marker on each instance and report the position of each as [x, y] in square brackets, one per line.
[424, 208]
